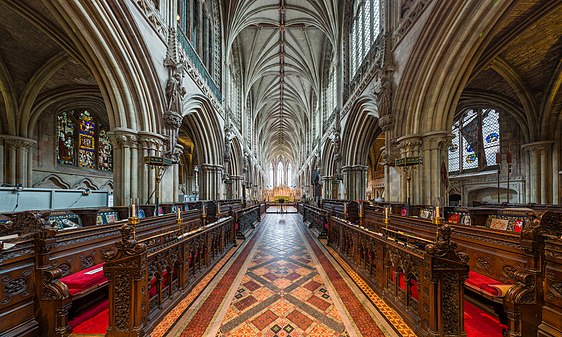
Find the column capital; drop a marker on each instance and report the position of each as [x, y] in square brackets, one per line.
[355, 168]
[545, 145]
[210, 167]
[412, 141]
[123, 140]
[150, 140]
[14, 142]
[437, 139]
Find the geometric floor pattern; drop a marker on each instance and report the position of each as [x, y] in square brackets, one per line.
[282, 284]
[282, 293]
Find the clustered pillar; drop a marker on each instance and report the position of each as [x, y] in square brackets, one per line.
[355, 181]
[18, 153]
[210, 182]
[539, 167]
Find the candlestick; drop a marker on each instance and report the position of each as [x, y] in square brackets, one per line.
[437, 212]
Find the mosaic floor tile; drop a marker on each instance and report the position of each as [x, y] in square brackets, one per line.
[280, 285]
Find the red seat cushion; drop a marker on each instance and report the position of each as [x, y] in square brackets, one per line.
[89, 313]
[483, 282]
[152, 290]
[414, 289]
[85, 279]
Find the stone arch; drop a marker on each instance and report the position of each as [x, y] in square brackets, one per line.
[360, 130]
[427, 95]
[119, 61]
[206, 129]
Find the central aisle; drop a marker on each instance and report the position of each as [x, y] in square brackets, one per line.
[281, 284]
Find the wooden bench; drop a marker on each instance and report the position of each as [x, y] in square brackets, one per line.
[171, 268]
[56, 273]
[422, 285]
[510, 260]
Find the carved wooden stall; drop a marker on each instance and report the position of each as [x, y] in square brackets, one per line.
[17, 281]
[62, 269]
[423, 284]
[219, 209]
[335, 207]
[551, 324]
[506, 266]
[246, 220]
[137, 303]
[317, 220]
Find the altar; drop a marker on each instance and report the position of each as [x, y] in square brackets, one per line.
[282, 192]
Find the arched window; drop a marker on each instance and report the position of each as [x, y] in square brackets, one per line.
[271, 175]
[280, 174]
[83, 141]
[364, 32]
[476, 141]
[289, 173]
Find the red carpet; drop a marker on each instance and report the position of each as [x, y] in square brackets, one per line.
[478, 323]
[93, 321]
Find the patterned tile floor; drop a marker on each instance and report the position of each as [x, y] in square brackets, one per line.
[282, 284]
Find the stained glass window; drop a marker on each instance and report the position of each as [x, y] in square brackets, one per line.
[289, 173]
[280, 174]
[476, 140]
[364, 31]
[491, 135]
[454, 150]
[65, 139]
[105, 159]
[86, 141]
[82, 141]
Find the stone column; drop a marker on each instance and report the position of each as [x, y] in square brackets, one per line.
[18, 156]
[435, 150]
[410, 146]
[327, 186]
[149, 144]
[538, 178]
[355, 181]
[210, 182]
[236, 187]
[126, 163]
[556, 174]
[386, 123]
[3, 162]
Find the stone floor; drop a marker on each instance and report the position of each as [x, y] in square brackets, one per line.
[280, 283]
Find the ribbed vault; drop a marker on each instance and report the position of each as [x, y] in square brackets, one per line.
[280, 44]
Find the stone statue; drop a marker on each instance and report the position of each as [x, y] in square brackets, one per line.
[175, 93]
[383, 95]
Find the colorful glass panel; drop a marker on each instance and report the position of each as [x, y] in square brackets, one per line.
[65, 139]
[86, 144]
[491, 134]
[454, 152]
[105, 158]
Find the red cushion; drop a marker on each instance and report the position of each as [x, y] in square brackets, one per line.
[152, 290]
[85, 279]
[89, 313]
[414, 289]
[483, 282]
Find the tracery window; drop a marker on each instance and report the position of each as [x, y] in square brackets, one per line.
[476, 140]
[289, 173]
[364, 32]
[280, 174]
[271, 175]
[83, 141]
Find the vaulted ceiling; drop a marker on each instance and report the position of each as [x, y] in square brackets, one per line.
[281, 45]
